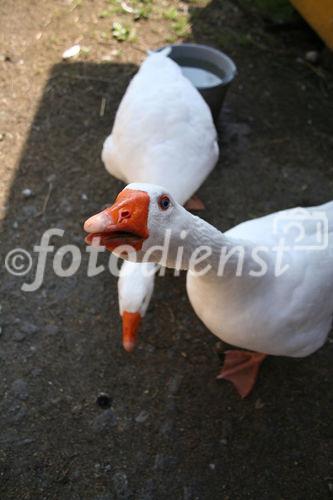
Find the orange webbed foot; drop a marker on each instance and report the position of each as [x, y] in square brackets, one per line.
[242, 368]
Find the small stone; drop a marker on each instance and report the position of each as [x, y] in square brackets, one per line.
[5, 58]
[259, 404]
[76, 409]
[312, 56]
[20, 414]
[19, 389]
[212, 466]
[71, 52]
[103, 400]
[27, 193]
[84, 197]
[15, 225]
[19, 336]
[142, 417]
[104, 420]
[120, 484]
[28, 328]
[164, 461]
[51, 329]
[26, 441]
[219, 347]
[174, 383]
[51, 178]
[107, 58]
[35, 372]
[167, 427]
[29, 210]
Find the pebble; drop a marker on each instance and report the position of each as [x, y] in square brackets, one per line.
[142, 417]
[259, 404]
[25, 329]
[19, 336]
[19, 413]
[76, 409]
[104, 420]
[26, 441]
[27, 193]
[164, 461]
[29, 210]
[5, 58]
[120, 484]
[148, 492]
[167, 427]
[51, 178]
[19, 389]
[174, 384]
[312, 56]
[107, 58]
[35, 372]
[51, 329]
[28, 328]
[103, 400]
[71, 52]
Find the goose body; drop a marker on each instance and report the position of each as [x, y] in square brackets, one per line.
[279, 304]
[288, 314]
[163, 134]
[163, 131]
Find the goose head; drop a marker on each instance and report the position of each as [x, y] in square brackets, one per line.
[134, 223]
[142, 220]
[135, 288]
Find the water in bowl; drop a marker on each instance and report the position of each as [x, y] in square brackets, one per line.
[201, 78]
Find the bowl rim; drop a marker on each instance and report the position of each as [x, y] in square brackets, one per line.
[230, 75]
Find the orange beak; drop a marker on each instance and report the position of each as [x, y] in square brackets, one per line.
[124, 223]
[131, 323]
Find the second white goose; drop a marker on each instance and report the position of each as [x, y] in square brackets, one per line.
[163, 133]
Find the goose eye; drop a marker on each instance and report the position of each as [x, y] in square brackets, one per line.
[164, 202]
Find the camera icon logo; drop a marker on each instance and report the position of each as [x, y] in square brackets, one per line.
[302, 229]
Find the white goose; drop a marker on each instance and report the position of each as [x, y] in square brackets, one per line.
[163, 134]
[281, 301]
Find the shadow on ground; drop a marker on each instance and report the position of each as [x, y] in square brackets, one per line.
[172, 430]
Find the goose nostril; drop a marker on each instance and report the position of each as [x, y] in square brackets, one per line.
[124, 214]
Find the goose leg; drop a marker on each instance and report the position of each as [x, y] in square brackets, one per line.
[242, 368]
[194, 204]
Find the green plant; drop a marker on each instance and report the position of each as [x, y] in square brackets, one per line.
[171, 14]
[122, 33]
[180, 26]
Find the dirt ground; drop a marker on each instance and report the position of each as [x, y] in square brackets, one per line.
[172, 431]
